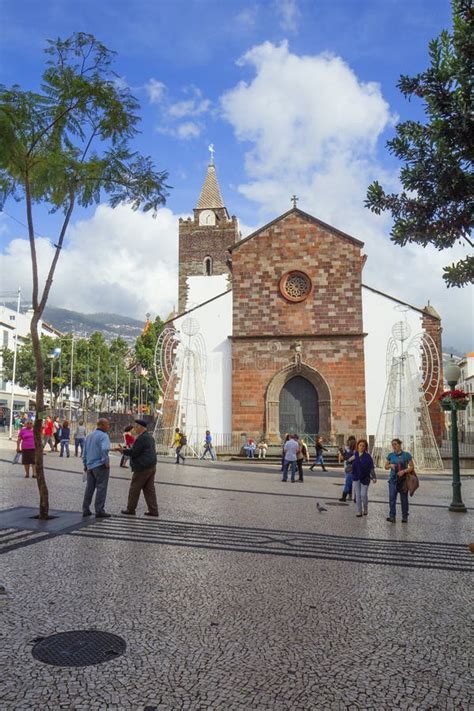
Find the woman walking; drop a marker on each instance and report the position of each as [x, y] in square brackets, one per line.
[79, 437]
[347, 455]
[362, 473]
[301, 455]
[26, 445]
[319, 454]
[64, 438]
[128, 440]
[400, 464]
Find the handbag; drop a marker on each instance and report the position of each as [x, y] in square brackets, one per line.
[412, 482]
[16, 458]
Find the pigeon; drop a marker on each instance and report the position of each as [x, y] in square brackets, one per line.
[320, 508]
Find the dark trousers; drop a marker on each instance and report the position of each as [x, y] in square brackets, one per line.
[299, 463]
[97, 480]
[143, 480]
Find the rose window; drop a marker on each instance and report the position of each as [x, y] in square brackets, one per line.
[295, 286]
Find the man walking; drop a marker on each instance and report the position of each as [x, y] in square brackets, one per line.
[291, 449]
[208, 446]
[143, 464]
[97, 465]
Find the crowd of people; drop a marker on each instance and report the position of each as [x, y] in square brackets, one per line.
[138, 448]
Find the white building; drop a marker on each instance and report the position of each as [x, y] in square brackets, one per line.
[14, 325]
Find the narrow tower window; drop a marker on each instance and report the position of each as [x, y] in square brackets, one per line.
[208, 266]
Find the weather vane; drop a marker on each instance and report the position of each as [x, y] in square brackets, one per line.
[294, 200]
[211, 151]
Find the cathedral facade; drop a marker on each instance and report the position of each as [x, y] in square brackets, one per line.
[295, 340]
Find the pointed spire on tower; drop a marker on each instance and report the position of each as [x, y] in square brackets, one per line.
[210, 197]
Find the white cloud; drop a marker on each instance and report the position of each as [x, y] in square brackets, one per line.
[189, 129]
[194, 106]
[313, 128]
[118, 260]
[155, 90]
[246, 19]
[289, 14]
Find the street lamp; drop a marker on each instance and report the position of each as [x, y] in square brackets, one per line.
[452, 373]
[52, 356]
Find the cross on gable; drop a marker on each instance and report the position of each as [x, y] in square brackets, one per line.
[294, 200]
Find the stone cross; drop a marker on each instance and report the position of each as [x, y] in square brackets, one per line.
[294, 200]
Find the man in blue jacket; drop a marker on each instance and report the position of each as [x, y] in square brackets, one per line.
[97, 466]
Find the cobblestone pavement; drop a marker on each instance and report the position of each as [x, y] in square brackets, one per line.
[241, 596]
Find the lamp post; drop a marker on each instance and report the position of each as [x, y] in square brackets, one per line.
[52, 356]
[452, 373]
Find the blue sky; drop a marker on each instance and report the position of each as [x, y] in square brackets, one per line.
[297, 96]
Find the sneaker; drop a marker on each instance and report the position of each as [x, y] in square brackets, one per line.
[343, 498]
[126, 512]
[86, 513]
[358, 515]
[284, 479]
[148, 513]
[103, 514]
[404, 520]
[391, 519]
[365, 513]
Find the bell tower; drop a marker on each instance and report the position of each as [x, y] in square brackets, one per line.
[204, 240]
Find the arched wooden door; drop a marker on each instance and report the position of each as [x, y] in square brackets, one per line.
[299, 407]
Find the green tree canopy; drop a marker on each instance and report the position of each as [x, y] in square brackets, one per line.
[436, 203]
[68, 144]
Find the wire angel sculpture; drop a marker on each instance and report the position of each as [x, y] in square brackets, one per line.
[413, 369]
[180, 369]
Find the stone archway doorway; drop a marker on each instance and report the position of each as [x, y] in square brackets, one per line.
[299, 407]
[272, 400]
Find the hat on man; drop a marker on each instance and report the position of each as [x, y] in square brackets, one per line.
[142, 423]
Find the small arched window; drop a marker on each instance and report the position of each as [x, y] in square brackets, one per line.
[208, 266]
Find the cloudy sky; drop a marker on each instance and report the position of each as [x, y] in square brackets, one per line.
[298, 96]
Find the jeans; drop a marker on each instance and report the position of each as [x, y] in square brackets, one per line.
[347, 490]
[97, 480]
[294, 467]
[178, 454]
[361, 493]
[250, 453]
[64, 446]
[48, 439]
[207, 449]
[392, 495]
[79, 443]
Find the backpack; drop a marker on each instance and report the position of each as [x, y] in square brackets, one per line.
[183, 440]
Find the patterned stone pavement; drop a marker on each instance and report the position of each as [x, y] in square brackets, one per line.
[241, 596]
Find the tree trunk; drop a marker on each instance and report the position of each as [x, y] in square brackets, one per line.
[38, 427]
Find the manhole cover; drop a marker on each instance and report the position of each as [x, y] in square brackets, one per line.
[79, 648]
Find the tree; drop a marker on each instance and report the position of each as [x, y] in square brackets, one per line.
[97, 368]
[145, 354]
[436, 204]
[66, 145]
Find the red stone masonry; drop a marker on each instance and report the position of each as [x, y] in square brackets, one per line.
[431, 324]
[196, 242]
[328, 322]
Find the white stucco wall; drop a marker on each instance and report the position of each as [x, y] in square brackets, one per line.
[203, 288]
[380, 313]
[215, 321]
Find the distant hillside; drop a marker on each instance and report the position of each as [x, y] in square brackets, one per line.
[111, 325]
